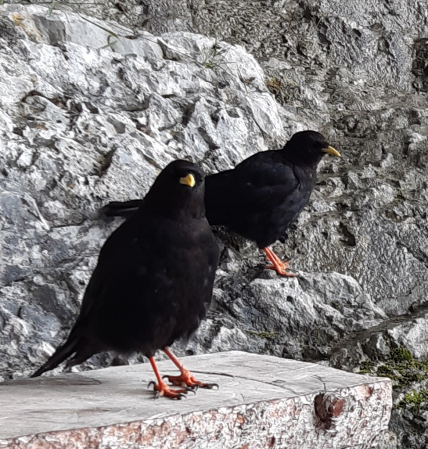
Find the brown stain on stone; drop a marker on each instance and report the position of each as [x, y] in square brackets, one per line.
[327, 408]
[365, 391]
[27, 26]
[337, 407]
[241, 419]
[17, 19]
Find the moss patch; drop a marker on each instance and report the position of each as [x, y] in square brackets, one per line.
[400, 367]
[415, 401]
[283, 89]
[367, 367]
[263, 335]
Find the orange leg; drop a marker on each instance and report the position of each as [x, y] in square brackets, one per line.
[277, 265]
[186, 378]
[161, 388]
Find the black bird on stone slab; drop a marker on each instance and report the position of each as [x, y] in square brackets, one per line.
[263, 195]
[153, 281]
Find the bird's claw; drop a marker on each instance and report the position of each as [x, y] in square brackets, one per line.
[285, 265]
[277, 264]
[282, 270]
[164, 390]
[192, 389]
[178, 396]
[186, 379]
[212, 386]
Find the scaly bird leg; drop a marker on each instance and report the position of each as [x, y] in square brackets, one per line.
[186, 378]
[161, 388]
[277, 265]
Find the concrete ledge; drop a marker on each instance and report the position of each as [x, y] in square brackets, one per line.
[263, 402]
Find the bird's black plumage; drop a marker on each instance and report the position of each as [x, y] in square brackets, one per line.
[262, 195]
[154, 278]
[265, 193]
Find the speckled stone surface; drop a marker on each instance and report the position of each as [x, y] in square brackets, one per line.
[263, 402]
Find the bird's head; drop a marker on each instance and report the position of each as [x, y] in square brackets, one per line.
[180, 186]
[307, 148]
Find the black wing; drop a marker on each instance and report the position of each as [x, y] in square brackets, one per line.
[259, 184]
[123, 209]
[140, 283]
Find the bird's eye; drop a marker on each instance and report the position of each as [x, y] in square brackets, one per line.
[188, 180]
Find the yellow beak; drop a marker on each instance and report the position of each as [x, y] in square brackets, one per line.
[188, 180]
[332, 151]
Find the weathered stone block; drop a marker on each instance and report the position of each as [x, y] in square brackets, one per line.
[263, 402]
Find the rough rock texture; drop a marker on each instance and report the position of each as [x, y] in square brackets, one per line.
[82, 125]
[263, 402]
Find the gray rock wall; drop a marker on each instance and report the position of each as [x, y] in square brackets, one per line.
[90, 111]
[83, 125]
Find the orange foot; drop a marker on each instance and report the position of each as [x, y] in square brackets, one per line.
[277, 264]
[162, 389]
[187, 379]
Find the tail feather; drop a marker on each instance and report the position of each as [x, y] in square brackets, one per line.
[62, 353]
[121, 209]
[82, 354]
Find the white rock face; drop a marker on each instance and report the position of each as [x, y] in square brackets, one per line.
[83, 125]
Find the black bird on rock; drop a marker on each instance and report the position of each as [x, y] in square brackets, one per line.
[262, 195]
[153, 281]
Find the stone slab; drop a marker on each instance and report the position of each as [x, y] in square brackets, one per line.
[262, 402]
